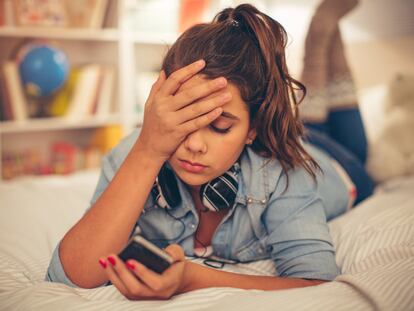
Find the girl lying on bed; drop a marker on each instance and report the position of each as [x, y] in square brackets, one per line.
[221, 166]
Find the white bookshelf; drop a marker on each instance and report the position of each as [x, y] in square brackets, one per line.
[60, 33]
[115, 45]
[55, 124]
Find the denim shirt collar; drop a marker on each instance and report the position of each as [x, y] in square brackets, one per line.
[253, 178]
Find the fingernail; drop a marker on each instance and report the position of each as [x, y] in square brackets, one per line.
[221, 82]
[200, 63]
[111, 260]
[130, 265]
[103, 263]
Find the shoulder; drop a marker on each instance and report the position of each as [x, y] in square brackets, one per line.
[266, 176]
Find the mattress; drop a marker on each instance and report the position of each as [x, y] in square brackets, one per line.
[374, 244]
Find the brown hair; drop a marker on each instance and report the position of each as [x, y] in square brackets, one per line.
[247, 47]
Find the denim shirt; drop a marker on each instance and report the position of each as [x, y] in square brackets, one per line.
[289, 227]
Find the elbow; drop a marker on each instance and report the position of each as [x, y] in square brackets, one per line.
[65, 271]
[71, 280]
[82, 278]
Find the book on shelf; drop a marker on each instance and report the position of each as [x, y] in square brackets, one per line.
[7, 13]
[61, 100]
[98, 14]
[85, 94]
[6, 109]
[2, 13]
[93, 92]
[54, 13]
[88, 92]
[106, 93]
[13, 97]
[50, 13]
[87, 13]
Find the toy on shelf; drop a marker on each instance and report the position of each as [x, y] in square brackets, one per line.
[43, 68]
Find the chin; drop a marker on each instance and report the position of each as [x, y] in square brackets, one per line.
[192, 179]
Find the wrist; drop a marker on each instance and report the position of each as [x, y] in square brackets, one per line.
[147, 154]
[187, 279]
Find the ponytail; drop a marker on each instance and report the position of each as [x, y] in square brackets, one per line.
[276, 117]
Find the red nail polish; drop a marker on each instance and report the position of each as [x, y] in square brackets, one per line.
[130, 265]
[103, 263]
[111, 260]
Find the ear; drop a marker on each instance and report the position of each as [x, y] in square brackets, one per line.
[251, 135]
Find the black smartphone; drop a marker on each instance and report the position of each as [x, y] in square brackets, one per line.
[146, 253]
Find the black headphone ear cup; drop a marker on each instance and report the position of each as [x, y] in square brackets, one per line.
[220, 193]
[168, 188]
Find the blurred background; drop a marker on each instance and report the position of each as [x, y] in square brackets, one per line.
[75, 74]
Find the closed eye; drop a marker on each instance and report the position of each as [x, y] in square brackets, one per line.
[220, 130]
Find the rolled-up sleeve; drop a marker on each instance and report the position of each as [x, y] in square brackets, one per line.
[55, 272]
[298, 236]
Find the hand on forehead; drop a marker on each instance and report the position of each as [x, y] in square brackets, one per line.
[194, 81]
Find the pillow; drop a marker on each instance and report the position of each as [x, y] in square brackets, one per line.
[388, 113]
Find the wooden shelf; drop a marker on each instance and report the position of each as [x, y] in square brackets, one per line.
[109, 34]
[52, 124]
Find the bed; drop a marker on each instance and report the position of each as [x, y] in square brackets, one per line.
[374, 244]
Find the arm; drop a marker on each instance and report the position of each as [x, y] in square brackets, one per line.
[168, 119]
[136, 282]
[298, 238]
[102, 227]
[197, 277]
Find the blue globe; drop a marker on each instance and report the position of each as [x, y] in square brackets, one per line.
[43, 69]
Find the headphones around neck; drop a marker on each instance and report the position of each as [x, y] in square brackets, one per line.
[216, 195]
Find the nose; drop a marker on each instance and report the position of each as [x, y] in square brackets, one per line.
[195, 142]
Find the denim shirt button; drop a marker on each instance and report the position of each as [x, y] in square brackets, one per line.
[192, 226]
[263, 201]
[249, 200]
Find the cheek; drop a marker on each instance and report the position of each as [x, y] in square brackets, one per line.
[229, 146]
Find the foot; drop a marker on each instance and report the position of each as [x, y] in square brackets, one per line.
[336, 8]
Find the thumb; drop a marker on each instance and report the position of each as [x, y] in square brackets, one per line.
[176, 252]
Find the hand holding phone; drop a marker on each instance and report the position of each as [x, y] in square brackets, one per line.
[146, 253]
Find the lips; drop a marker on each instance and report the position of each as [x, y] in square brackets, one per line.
[191, 167]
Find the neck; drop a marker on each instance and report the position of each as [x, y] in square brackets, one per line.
[194, 190]
[195, 194]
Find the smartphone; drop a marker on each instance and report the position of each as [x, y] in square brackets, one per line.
[146, 253]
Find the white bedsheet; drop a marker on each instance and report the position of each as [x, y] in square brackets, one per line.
[374, 242]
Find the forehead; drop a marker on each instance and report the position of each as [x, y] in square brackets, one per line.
[236, 106]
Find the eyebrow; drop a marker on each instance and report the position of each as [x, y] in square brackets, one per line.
[229, 115]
